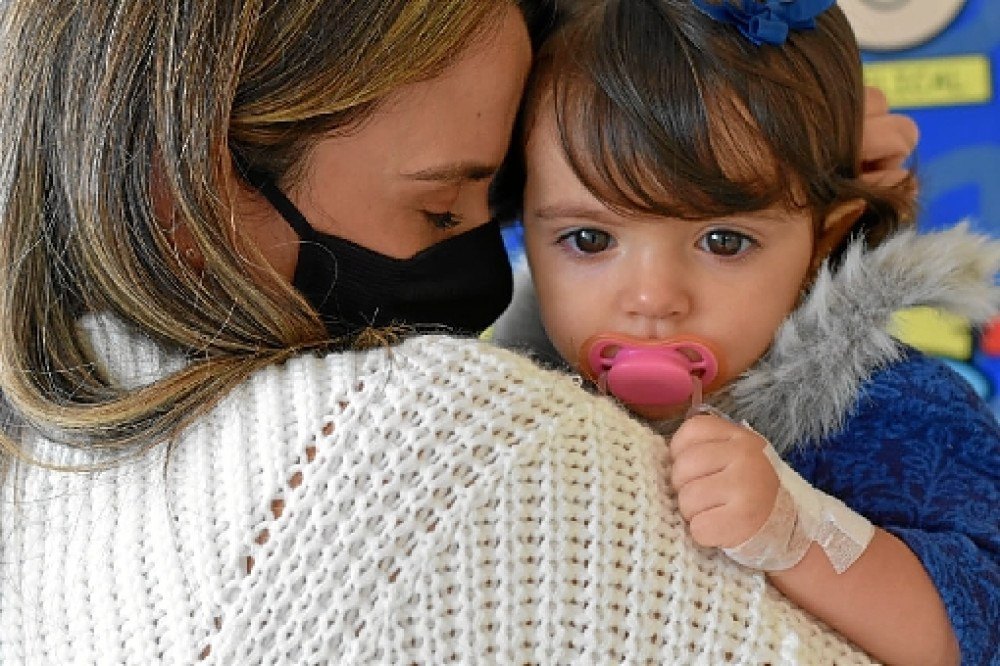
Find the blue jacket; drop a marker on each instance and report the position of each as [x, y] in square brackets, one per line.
[919, 456]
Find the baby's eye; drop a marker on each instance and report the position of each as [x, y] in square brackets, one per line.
[444, 221]
[726, 243]
[588, 241]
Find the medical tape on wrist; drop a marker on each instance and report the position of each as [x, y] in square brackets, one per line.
[803, 515]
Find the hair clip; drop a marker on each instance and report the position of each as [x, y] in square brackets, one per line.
[767, 21]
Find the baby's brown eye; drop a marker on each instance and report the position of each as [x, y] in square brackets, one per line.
[726, 243]
[589, 241]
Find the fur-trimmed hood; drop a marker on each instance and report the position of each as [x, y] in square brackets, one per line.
[804, 387]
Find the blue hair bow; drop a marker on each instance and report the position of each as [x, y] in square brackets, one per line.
[766, 21]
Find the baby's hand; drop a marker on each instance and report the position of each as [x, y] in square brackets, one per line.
[726, 486]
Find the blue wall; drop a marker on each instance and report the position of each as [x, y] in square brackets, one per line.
[958, 159]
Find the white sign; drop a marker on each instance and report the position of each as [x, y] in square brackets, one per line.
[891, 25]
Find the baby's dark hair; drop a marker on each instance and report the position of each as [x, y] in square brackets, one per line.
[665, 111]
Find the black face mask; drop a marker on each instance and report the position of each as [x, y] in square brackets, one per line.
[459, 285]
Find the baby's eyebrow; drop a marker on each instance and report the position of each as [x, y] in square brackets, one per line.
[573, 211]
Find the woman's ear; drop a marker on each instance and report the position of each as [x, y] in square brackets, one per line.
[838, 223]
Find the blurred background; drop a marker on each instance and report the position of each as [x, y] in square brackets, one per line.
[936, 60]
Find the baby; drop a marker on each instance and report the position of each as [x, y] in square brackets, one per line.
[705, 249]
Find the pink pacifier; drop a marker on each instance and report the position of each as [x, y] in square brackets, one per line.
[650, 373]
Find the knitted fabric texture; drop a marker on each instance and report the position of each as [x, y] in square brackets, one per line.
[439, 501]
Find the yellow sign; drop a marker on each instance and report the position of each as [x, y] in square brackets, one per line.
[933, 331]
[933, 81]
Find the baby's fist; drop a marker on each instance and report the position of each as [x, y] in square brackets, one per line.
[726, 486]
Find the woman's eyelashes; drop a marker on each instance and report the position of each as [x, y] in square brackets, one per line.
[443, 221]
[586, 240]
[726, 242]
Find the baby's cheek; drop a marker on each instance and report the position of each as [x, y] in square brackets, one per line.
[562, 340]
[565, 332]
[746, 354]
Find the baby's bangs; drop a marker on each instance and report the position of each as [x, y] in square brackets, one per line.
[638, 135]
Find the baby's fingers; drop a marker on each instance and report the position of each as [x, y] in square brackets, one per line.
[699, 461]
[703, 504]
[726, 508]
[715, 527]
[715, 516]
[698, 430]
[701, 495]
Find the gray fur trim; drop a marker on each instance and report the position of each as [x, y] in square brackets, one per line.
[803, 389]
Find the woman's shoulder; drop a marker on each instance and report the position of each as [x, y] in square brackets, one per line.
[379, 504]
[445, 380]
[460, 374]
[452, 488]
[434, 399]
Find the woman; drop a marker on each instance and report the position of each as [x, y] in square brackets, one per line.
[204, 206]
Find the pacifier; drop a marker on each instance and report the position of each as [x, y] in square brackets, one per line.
[649, 373]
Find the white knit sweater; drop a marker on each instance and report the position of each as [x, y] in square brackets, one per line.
[441, 501]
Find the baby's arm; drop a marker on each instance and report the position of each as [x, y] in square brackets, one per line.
[884, 601]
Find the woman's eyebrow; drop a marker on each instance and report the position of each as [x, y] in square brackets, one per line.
[454, 172]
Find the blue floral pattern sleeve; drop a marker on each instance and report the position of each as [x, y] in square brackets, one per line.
[920, 457]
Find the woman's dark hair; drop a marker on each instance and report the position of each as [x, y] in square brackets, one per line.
[664, 111]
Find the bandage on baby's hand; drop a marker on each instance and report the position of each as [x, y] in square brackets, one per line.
[803, 515]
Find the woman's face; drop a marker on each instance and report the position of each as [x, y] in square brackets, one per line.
[417, 171]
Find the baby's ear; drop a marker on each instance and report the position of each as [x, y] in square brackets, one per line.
[838, 223]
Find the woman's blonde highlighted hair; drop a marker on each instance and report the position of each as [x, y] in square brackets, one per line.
[110, 105]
